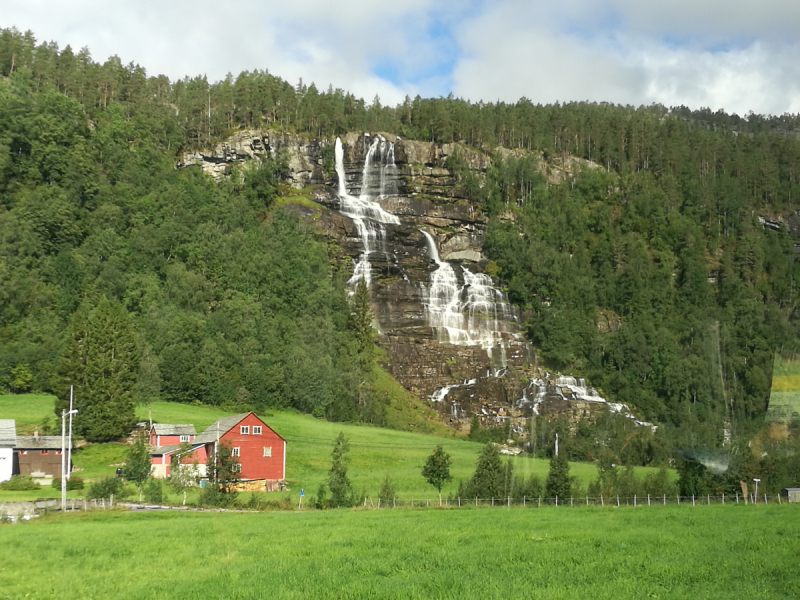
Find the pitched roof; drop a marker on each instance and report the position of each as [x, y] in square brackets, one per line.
[40, 442]
[168, 449]
[218, 428]
[8, 432]
[171, 429]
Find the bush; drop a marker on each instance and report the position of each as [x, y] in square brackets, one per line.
[105, 487]
[153, 492]
[20, 483]
[211, 495]
[73, 483]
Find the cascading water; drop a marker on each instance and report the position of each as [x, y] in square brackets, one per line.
[470, 314]
[369, 217]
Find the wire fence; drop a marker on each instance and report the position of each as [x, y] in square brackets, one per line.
[573, 501]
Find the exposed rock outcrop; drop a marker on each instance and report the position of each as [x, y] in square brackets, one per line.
[493, 376]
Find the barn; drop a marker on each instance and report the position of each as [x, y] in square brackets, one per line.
[259, 449]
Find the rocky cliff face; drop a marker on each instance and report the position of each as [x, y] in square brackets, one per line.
[394, 210]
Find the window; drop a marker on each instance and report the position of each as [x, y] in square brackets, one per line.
[58, 452]
[184, 438]
[244, 430]
[267, 450]
[43, 452]
[256, 429]
[234, 451]
[236, 468]
[23, 452]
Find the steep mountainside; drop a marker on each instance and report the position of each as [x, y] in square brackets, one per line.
[450, 334]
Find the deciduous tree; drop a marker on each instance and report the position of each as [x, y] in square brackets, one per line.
[437, 469]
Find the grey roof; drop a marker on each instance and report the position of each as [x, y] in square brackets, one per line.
[170, 429]
[40, 442]
[8, 432]
[165, 449]
[218, 428]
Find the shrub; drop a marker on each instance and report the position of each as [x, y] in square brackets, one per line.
[211, 495]
[153, 491]
[20, 483]
[103, 488]
[73, 483]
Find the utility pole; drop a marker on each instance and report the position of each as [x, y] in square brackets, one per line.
[63, 457]
[556, 445]
[69, 439]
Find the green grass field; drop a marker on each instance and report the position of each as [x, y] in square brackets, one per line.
[374, 453]
[660, 552]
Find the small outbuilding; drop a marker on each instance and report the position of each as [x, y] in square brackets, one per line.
[792, 494]
[8, 440]
[39, 455]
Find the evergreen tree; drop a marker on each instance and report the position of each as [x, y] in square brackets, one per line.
[437, 469]
[558, 480]
[487, 481]
[360, 321]
[100, 359]
[338, 482]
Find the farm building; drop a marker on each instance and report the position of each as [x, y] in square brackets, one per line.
[164, 434]
[38, 455]
[8, 439]
[792, 494]
[259, 449]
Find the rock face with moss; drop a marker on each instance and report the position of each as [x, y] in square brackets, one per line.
[448, 332]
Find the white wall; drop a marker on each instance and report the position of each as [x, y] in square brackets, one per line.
[6, 463]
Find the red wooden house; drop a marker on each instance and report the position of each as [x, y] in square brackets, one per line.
[162, 434]
[259, 449]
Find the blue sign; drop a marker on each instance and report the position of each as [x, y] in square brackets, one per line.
[301, 492]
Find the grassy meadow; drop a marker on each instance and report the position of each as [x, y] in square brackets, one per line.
[661, 552]
[374, 452]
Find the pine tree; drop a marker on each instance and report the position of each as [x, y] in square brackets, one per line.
[338, 482]
[100, 359]
[558, 482]
[437, 469]
[361, 319]
[487, 481]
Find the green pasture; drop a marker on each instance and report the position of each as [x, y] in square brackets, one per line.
[659, 552]
[374, 452]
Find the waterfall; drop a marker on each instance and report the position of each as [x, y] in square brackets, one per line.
[470, 314]
[369, 217]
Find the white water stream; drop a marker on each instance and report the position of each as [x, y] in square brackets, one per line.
[369, 217]
[472, 313]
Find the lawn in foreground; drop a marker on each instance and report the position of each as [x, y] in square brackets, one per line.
[658, 552]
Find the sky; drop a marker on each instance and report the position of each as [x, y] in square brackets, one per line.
[735, 55]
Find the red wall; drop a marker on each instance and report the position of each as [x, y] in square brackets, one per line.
[251, 449]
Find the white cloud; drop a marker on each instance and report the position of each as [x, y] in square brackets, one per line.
[630, 53]
[739, 55]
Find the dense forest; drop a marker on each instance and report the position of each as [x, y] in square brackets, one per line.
[647, 271]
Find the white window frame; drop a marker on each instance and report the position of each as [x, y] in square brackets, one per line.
[244, 430]
[235, 451]
[267, 451]
[256, 429]
[184, 438]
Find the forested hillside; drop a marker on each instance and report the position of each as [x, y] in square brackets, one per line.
[647, 270]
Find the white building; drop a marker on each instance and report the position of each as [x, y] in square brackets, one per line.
[8, 439]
